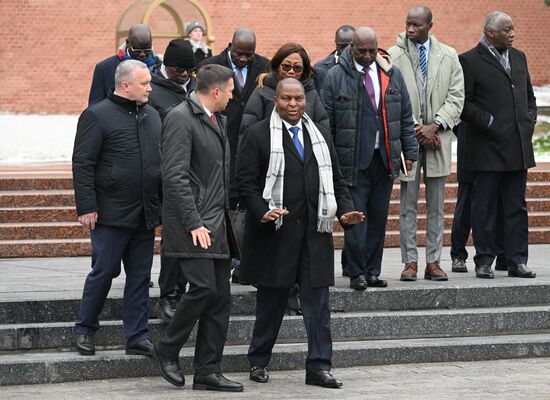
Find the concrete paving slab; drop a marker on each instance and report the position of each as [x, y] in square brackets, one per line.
[487, 380]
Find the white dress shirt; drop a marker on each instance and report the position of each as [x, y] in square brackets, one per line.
[300, 130]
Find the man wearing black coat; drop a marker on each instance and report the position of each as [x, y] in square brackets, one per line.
[195, 182]
[499, 118]
[342, 39]
[239, 56]
[116, 177]
[138, 46]
[171, 82]
[292, 188]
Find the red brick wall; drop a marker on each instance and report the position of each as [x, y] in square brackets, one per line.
[49, 47]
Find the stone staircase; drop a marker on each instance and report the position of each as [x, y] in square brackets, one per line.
[414, 323]
[38, 218]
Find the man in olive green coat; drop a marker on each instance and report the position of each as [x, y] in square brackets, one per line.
[434, 79]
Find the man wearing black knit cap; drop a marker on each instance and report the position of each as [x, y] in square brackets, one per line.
[171, 82]
[174, 78]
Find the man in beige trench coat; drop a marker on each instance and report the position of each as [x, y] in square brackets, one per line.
[434, 79]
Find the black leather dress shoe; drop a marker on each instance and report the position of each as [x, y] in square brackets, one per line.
[142, 348]
[323, 379]
[166, 307]
[520, 271]
[459, 265]
[216, 382]
[85, 345]
[501, 264]
[484, 272]
[374, 281]
[170, 370]
[259, 374]
[358, 283]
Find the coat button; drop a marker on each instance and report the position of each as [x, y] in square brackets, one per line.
[298, 222]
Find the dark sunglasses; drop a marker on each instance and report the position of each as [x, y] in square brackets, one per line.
[146, 51]
[288, 67]
[179, 70]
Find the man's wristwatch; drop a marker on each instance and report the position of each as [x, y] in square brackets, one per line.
[439, 125]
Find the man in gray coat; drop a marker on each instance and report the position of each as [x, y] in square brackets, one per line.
[195, 181]
[435, 84]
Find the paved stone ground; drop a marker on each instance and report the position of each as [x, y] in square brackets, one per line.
[504, 379]
[63, 278]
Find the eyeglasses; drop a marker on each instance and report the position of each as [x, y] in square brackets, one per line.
[179, 70]
[361, 50]
[295, 67]
[146, 51]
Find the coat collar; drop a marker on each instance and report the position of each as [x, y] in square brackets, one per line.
[129, 105]
[198, 109]
[487, 56]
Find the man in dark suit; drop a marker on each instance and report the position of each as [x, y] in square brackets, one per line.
[289, 218]
[499, 117]
[342, 38]
[371, 121]
[138, 46]
[239, 56]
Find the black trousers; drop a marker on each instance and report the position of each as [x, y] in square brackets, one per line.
[171, 281]
[270, 309]
[365, 241]
[110, 246]
[462, 224]
[207, 302]
[509, 187]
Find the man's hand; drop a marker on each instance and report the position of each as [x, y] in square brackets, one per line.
[425, 133]
[352, 217]
[88, 220]
[202, 235]
[409, 165]
[272, 215]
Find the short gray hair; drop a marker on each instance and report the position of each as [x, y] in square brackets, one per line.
[492, 19]
[125, 69]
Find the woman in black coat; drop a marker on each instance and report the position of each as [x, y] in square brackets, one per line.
[290, 61]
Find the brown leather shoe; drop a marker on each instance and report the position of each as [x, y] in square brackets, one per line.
[434, 272]
[409, 273]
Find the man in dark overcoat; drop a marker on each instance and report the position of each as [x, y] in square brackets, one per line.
[499, 117]
[291, 185]
[195, 181]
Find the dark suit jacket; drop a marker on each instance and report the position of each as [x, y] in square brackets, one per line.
[271, 257]
[235, 107]
[506, 144]
[326, 63]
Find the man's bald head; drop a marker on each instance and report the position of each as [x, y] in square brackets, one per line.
[343, 37]
[139, 42]
[422, 12]
[364, 46]
[418, 24]
[286, 82]
[243, 47]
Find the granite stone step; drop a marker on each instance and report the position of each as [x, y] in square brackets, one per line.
[396, 297]
[536, 236]
[50, 247]
[36, 198]
[38, 214]
[51, 367]
[37, 183]
[345, 326]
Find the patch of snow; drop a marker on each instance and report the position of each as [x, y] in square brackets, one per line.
[542, 93]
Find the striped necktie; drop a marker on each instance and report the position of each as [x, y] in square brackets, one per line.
[423, 61]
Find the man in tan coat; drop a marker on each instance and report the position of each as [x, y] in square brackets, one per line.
[433, 76]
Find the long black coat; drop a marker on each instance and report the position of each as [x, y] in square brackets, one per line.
[326, 63]
[235, 107]
[195, 176]
[260, 105]
[271, 257]
[116, 163]
[167, 94]
[506, 144]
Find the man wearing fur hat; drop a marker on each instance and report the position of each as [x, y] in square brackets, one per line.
[195, 32]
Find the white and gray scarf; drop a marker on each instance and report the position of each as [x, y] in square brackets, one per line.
[274, 183]
[503, 58]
